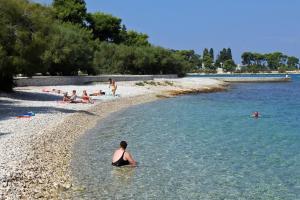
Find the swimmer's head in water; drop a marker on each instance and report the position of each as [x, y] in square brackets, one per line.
[123, 144]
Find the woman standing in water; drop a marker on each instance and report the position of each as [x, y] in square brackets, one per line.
[121, 157]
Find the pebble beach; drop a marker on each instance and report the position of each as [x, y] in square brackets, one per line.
[36, 151]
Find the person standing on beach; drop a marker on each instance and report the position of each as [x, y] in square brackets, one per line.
[121, 157]
[113, 86]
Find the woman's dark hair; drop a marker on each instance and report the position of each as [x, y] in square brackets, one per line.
[110, 80]
[123, 144]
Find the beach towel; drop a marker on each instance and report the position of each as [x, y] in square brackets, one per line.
[27, 115]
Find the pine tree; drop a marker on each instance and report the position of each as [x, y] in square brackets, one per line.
[211, 53]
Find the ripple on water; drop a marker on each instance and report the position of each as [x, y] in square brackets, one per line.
[198, 147]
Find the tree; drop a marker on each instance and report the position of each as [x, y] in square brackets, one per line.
[193, 59]
[275, 60]
[229, 65]
[247, 57]
[228, 54]
[205, 53]
[208, 62]
[133, 38]
[292, 62]
[112, 58]
[71, 49]
[24, 35]
[106, 27]
[211, 53]
[73, 11]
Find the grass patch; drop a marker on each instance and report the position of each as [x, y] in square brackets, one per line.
[150, 83]
[169, 83]
[140, 84]
[153, 83]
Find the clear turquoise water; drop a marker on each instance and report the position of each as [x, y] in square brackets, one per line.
[202, 146]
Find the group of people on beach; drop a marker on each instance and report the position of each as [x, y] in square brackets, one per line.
[85, 97]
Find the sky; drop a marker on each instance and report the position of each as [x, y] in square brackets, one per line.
[261, 26]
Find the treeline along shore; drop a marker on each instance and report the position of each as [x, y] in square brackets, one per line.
[64, 39]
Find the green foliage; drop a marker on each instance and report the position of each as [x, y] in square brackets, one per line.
[208, 62]
[205, 53]
[225, 54]
[70, 49]
[229, 65]
[73, 11]
[24, 35]
[211, 53]
[253, 69]
[140, 84]
[275, 60]
[282, 69]
[106, 27]
[112, 58]
[193, 60]
[270, 61]
[208, 59]
[169, 83]
[132, 38]
[153, 83]
[292, 62]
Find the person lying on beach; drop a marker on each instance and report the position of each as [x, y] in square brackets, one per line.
[113, 86]
[98, 93]
[57, 91]
[85, 97]
[73, 98]
[121, 157]
[66, 98]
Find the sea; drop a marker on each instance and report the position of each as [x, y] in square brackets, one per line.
[200, 146]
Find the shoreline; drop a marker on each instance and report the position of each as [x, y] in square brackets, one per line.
[45, 171]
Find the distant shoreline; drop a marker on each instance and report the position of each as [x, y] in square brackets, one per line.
[262, 73]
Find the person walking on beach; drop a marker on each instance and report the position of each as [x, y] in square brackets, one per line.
[121, 157]
[113, 86]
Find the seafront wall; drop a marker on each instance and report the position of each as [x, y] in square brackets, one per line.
[81, 80]
[252, 79]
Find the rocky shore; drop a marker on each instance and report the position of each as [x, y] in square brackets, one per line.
[36, 153]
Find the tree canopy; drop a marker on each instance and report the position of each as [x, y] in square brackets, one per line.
[73, 11]
[269, 61]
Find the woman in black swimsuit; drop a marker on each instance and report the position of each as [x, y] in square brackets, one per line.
[121, 157]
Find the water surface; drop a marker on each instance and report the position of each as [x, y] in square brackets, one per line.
[203, 146]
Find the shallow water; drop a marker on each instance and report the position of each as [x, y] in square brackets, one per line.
[202, 146]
